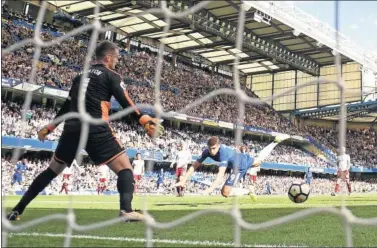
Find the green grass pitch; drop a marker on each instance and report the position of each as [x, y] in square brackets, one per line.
[213, 229]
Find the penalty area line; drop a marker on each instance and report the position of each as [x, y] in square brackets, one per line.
[142, 240]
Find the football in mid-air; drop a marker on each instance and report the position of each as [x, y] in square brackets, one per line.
[299, 192]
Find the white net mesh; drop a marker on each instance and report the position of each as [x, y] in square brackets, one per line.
[96, 27]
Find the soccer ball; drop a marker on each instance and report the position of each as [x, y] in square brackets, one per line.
[299, 192]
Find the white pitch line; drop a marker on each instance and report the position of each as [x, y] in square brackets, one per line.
[256, 206]
[143, 240]
[74, 201]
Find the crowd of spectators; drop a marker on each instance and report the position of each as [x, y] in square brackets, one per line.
[361, 144]
[12, 124]
[133, 136]
[56, 67]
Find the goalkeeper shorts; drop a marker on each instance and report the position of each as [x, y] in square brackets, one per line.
[102, 148]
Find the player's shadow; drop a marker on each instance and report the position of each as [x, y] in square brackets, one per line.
[193, 205]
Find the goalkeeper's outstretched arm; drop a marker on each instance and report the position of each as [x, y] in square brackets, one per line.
[151, 125]
[49, 128]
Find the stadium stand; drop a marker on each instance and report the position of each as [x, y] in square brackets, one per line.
[133, 136]
[362, 146]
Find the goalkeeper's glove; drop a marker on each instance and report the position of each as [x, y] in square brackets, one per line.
[46, 130]
[152, 126]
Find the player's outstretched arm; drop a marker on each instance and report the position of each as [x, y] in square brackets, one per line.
[49, 128]
[151, 125]
[191, 170]
[188, 174]
[218, 180]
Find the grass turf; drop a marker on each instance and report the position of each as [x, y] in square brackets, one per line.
[318, 230]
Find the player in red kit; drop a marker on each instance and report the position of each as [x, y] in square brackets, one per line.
[139, 169]
[67, 172]
[182, 159]
[64, 186]
[344, 164]
[67, 177]
[103, 175]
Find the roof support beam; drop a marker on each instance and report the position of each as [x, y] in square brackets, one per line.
[189, 49]
[332, 62]
[140, 33]
[309, 50]
[285, 34]
[232, 17]
[241, 60]
[264, 72]
[300, 43]
[220, 7]
[111, 7]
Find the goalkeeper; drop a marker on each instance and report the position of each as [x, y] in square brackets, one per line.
[228, 158]
[103, 147]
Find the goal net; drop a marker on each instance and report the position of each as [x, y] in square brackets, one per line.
[239, 223]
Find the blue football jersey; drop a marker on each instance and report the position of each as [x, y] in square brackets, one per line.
[226, 156]
[160, 177]
[309, 177]
[21, 166]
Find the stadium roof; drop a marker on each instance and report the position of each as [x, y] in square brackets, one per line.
[356, 112]
[277, 37]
